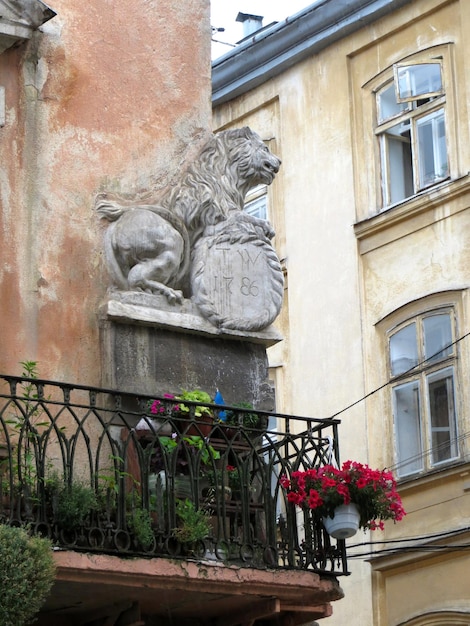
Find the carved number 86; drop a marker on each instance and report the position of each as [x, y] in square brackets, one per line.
[248, 287]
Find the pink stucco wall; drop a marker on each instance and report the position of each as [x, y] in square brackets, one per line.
[108, 96]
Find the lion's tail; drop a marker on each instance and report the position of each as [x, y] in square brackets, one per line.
[109, 209]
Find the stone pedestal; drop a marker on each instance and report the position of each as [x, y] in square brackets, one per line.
[152, 347]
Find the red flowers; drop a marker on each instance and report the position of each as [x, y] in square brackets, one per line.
[322, 490]
[314, 499]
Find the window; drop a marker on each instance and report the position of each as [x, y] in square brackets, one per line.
[256, 202]
[411, 129]
[422, 368]
[441, 618]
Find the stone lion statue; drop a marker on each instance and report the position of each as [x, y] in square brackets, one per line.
[148, 247]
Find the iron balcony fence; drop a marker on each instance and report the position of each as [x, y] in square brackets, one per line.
[103, 471]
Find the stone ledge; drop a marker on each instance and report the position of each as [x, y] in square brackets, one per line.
[151, 310]
[18, 20]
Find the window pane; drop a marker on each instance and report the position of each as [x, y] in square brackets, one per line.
[432, 149]
[403, 350]
[258, 207]
[437, 336]
[442, 416]
[419, 80]
[408, 428]
[387, 105]
[398, 164]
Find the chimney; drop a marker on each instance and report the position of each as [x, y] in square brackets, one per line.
[251, 23]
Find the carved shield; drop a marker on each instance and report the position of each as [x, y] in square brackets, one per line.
[236, 279]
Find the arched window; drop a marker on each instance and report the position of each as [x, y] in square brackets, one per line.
[441, 618]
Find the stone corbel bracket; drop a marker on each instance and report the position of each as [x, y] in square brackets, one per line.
[19, 19]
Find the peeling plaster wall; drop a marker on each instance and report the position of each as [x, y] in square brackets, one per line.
[104, 98]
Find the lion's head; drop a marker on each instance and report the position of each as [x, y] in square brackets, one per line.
[248, 158]
[230, 164]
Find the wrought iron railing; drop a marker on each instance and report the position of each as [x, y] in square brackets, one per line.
[127, 474]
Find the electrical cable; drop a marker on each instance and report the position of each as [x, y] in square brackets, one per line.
[418, 548]
[404, 375]
[439, 535]
[400, 376]
[428, 452]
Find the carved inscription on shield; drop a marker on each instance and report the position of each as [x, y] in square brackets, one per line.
[237, 281]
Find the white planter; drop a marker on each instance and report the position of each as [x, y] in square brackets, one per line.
[345, 523]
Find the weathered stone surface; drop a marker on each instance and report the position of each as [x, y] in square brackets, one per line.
[150, 360]
[161, 583]
[142, 308]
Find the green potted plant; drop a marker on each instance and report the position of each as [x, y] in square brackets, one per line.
[326, 491]
[195, 396]
[193, 524]
[249, 419]
[192, 443]
[139, 522]
[74, 505]
[203, 415]
[27, 574]
[26, 425]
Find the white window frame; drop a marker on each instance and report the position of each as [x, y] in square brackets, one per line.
[256, 202]
[420, 455]
[405, 172]
[405, 69]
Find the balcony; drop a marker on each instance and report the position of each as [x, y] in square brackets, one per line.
[150, 506]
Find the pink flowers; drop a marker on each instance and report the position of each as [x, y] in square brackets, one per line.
[157, 407]
[322, 490]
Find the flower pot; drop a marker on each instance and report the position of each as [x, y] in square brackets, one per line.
[345, 522]
[200, 426]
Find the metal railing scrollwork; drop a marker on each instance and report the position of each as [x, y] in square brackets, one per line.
[127, 474]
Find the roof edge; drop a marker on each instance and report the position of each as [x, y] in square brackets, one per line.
[270, 52]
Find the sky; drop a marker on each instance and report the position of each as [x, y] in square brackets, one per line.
[224, 13]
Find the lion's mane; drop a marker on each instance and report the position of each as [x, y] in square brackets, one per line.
[216, 183]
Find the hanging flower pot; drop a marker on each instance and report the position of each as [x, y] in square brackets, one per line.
[345, 522]
[329, 489]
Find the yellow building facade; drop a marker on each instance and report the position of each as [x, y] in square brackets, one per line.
[368, 108]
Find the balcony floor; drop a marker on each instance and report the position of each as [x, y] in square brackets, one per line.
[95, 589]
